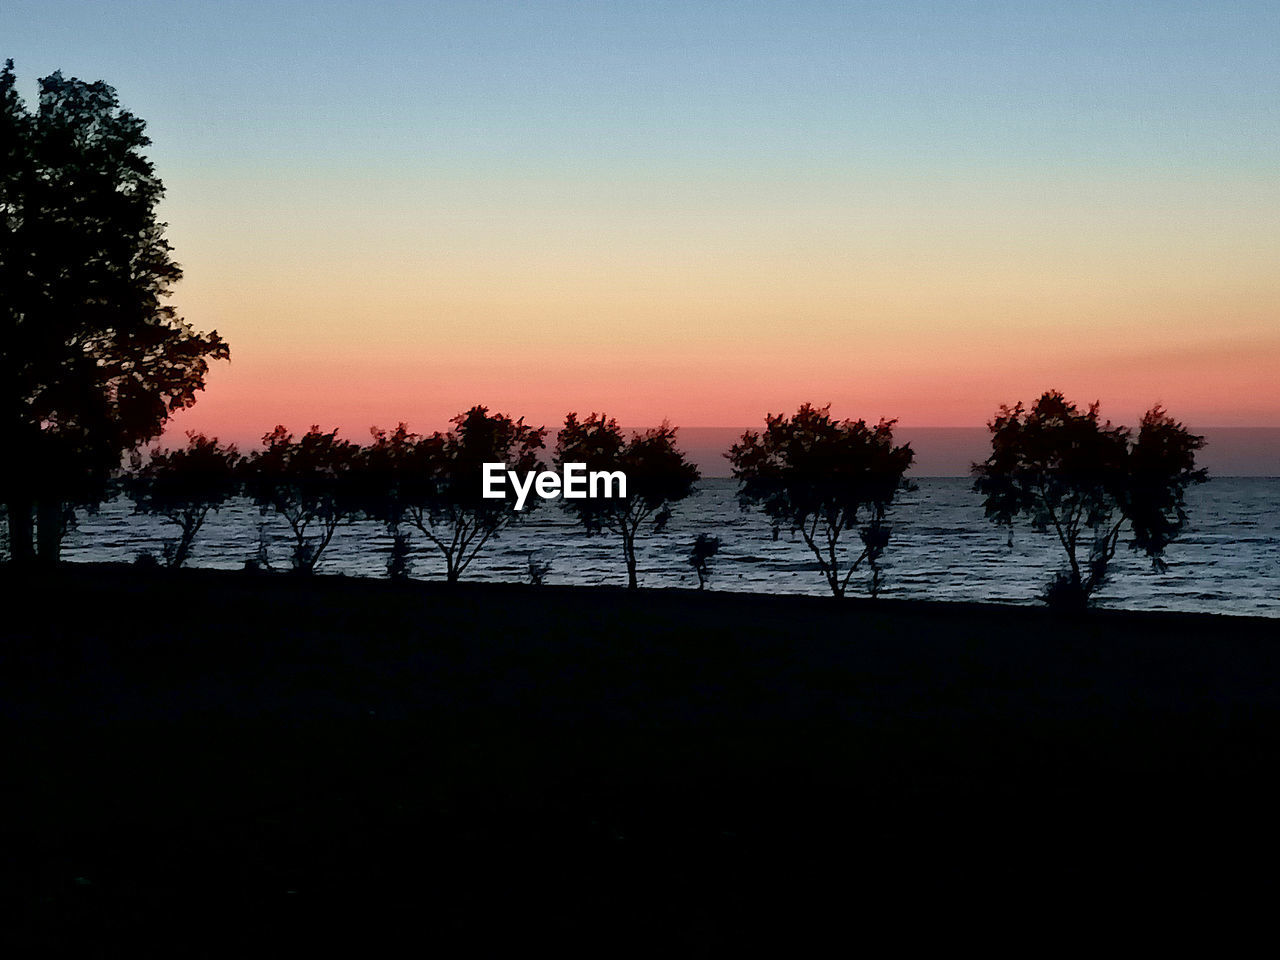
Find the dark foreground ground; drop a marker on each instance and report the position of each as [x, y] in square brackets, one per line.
[227, 764]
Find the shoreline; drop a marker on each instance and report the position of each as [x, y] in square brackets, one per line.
[710, 595]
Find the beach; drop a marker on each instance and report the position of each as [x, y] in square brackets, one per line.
[218, 754]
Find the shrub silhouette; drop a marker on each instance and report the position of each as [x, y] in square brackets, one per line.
[821, 478]
[182, 486]
[657, 472]
[309, 482]
[399, 561]
[700, 554]
[537, 570]
[92, 360]
[1069, 472]
[433, 483]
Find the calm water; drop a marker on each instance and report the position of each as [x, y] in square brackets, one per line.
[942, 548]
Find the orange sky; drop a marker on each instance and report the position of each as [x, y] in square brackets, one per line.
[705, 211]
[711, 303]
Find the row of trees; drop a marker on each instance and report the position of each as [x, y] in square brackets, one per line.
[93, 362]
[429, 485]
[816, 475]
[830, 482]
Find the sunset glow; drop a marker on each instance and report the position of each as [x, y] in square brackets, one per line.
[707, 212]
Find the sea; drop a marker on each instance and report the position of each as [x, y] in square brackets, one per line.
[941, 548]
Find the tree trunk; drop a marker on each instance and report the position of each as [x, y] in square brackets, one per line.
[22, 551]
[1076, 577]
[49, 530]
[833, 579]
[629, 551]
[183, 548]
[837, 587]
[192, 521]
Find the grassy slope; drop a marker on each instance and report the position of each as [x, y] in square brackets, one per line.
[279, 750]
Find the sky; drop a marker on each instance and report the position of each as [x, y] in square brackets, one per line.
[705, 211]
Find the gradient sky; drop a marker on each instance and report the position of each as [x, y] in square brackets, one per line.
[706, 211]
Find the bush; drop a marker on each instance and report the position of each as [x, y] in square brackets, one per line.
[700, 554]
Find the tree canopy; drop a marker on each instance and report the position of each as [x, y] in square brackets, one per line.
[93, 361]
[822, 477]
[657, 472]
[1066, 470]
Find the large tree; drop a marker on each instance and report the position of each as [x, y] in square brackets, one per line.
[824, 478]
[1069, 472]
[657, 472]
[93, 361]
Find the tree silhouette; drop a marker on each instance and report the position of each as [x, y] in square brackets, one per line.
[310, 483]
[183, 485]
[1065, 470]
[821, 478]
[434, 482]
[92, 361]
[657, 472]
